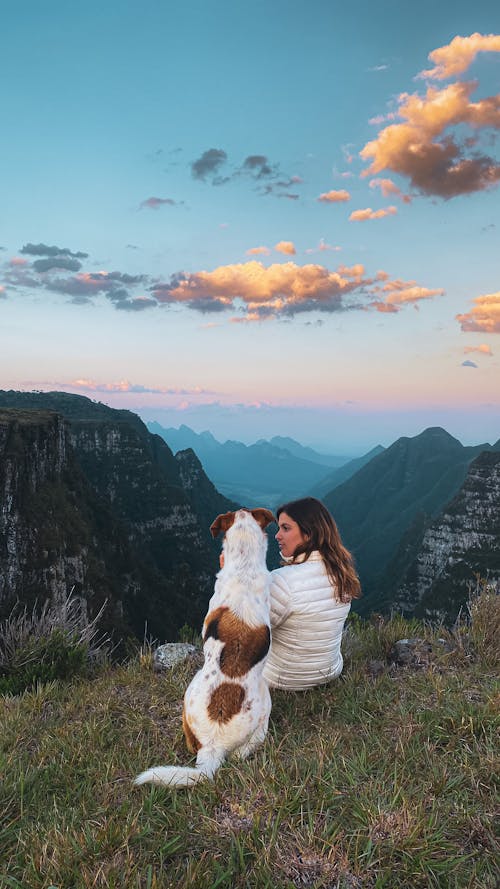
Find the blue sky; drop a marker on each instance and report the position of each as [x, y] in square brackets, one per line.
[260, 219]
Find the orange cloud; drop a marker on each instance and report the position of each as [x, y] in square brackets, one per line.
[484, 316]
[334, 197]
[388, 187]
[483, 349]
[255, 251]
[368, 213]
[457, 56]
[421, 149]
[286, 247]
[398, 293]
[18, 261]
[284, 290]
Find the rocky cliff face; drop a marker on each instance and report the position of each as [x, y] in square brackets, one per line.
[464, 541]
[92, 500]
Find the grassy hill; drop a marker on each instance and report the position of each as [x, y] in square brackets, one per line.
[384, 778]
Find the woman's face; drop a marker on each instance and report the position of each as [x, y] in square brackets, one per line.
[289, 536]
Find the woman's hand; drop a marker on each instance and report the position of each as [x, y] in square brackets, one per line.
[221, 560]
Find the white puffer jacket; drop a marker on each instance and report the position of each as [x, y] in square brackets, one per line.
[306, 624]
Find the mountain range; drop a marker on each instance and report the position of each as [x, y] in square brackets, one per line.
[268, 472]
[91, 500]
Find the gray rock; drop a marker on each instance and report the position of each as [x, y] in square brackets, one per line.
[171, 653]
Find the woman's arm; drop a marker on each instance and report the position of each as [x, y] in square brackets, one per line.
[280, 600]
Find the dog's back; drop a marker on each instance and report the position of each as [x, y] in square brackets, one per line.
[227, 704]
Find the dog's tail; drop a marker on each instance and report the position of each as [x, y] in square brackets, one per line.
[184, 776]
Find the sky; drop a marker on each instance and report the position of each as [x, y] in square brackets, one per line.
[277, 218]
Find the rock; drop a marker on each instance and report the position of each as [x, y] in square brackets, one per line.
[417, 653]
[171, 653]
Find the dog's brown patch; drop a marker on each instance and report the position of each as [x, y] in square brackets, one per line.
[244, 646]
[192, 743]
[226, 701]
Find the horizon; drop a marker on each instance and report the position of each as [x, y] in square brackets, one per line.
[282, 223]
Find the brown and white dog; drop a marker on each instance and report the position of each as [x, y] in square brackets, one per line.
[227, 704]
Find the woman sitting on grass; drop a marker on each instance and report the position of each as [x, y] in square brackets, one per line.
[310, 597]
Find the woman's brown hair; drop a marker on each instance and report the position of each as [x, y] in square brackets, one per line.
[321, 534]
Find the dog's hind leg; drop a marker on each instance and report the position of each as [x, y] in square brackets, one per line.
[254, 741]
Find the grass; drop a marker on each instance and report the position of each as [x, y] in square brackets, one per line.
[380, 779]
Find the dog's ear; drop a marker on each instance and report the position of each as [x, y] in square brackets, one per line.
[263, 516]
[222, 523]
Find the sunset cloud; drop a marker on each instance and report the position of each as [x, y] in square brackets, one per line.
[395, 294]
[257, 292]
[483, 349]
[256, 251]
[279, 289]
[334, 197]
[428, 152]
[469, 364]
[286, 247]
[457, 56]
[388, 187]
[125, 386]
[368, 213]
[484, 317]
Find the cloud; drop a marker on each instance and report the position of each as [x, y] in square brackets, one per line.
[334, 197]
[208, 163]
[114, 285]
[286, 247]
[323, 246]
[378, 68]
[423, 149]
[457, 56]
[264, 292]
[255, 251]
[45, 250]
[18, 261]
[126, 386]
[258, 165]
[484, 317]
[57, 262]
[368, 213]
[155, 203]
[468, 364]
[388, 187]
[392, 295]
[483, 349]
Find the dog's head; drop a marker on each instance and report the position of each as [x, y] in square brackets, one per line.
[223, 522]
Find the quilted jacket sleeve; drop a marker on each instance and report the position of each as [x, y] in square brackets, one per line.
[280, 599]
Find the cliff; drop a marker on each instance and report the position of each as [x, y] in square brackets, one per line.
[91, 500]
[464, 541]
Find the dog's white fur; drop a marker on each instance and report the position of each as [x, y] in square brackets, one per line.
[236, 634]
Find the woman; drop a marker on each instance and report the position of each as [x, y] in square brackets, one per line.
[310, 597]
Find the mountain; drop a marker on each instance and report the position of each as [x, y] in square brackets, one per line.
[340, 475]
[462, 543]
[90, 499]
[261, 474]
[378, 504]
[305, 453]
